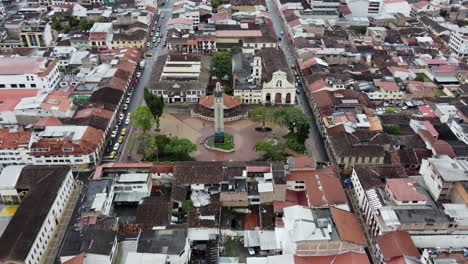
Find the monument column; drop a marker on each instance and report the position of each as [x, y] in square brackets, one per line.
[219, 114]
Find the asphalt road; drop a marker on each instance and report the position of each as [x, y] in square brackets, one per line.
[136, 99]
[318, 150]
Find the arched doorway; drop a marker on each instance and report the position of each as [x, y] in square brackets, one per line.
[277, 98]
[288, 98]
[268, 98]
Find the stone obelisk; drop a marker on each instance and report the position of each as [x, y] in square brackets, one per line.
[219, 114]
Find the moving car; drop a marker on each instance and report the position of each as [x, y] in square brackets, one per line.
[138, 74]
[116, 146]
[129, 115]
[121, 138]
[127, 121]
[149, 55]
[162, 15]
[123, 132]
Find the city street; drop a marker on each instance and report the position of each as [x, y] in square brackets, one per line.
[156, 49]
[317, 146]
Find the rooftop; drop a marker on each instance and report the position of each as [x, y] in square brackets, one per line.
[42, 184]
[165, 241]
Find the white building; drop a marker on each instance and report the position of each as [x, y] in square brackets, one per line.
[8, 178]
[14, 148]
[459, 129]
[440, 174]
[445, 111]
[29, 72]
[48, 190]
[131, 187]
[458, 42]
[395, 7]
[359, 8]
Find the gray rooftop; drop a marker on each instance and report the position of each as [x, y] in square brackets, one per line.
[166, 241]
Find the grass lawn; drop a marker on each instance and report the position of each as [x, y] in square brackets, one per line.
[423, 76]
[228, 142]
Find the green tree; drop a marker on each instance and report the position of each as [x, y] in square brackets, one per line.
[101, 19]
[162, 141]
[180, 147]
[86, 24]
[187, 206]
[261, 114]
[293, 118]
[142, 118]
[221, 64]
[215, 3]
[147, 145]
[228, 90]
[421, 77]
[443, 12]
[155, 104]
[394, 130]
[360, 29]
[272, 149]
[389, 110]
[57, 23]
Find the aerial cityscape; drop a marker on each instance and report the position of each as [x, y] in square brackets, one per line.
[233, 132]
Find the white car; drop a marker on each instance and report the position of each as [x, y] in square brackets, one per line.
[127, 121]
[282, 33]
[128, 100]
[116, 146]
[157, 34]
[125, 107]
[114, 133]
[138, 74]
[121, 116]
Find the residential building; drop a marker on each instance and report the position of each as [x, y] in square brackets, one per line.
[35, 35]
[441, 173]
[29, 72]
[459, 41]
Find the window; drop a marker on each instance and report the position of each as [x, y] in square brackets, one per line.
[2, 86]
[22, 85]
[14, 86]
[33, 85]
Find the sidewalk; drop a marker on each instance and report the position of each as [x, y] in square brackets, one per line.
[56, 240]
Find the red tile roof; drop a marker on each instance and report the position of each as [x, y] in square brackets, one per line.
[228, 101]
[14, 139]
[323, 186]
[427, 111]
[292, 198]
[95, 111]
[162, 168]
[48, 121]
[349, 257]
[302, 162]
[317, 85]
[403, 189]
[348, 227]
[78, 259]
[430, 128]
[258, 169]
[396, 244]
[251, 221]
[387, 85]
[441, 147]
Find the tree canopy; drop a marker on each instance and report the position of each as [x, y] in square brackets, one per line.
[261, 114]
[142, 118]
[221, 64]
[180, 147]
[272, 149]
[293, 118]
[155, 104]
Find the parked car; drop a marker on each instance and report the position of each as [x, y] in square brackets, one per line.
[121, 116]
[116, 146]
[138, 74]
[127, 100]
[125, 107]
[149, 54]
[113, 154]
[114, 134]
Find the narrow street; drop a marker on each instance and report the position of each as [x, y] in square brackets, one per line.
[317, 146]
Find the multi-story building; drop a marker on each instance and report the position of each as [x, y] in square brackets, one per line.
[29, 72]
[14, 148]
[441, 173]
[458, 42]
[48, 190]
[36, 34]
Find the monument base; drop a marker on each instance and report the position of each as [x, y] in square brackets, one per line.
[219, 138]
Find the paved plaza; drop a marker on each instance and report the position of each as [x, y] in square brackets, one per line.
[245, 136]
